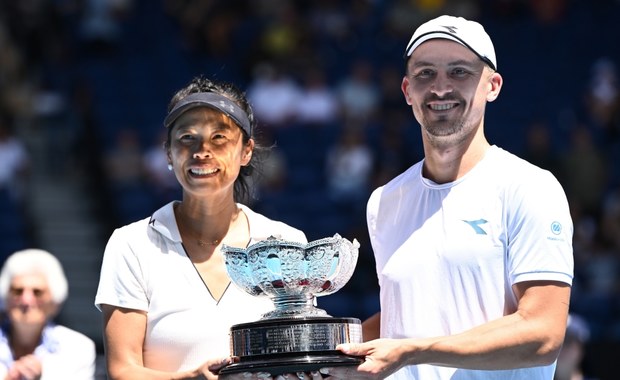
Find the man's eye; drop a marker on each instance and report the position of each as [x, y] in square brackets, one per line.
[459, 72]
[423, 74]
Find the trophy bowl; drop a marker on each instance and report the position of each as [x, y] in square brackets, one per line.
[296, 335]
[292, 274]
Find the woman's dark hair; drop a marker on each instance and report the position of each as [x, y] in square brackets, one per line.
[242, 189]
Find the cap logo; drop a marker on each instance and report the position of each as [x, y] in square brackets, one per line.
[226, 106]
[451, 29]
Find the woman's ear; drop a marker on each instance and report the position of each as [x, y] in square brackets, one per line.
[247, 152]
[168, 154]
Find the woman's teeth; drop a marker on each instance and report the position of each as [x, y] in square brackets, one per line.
[202, 171]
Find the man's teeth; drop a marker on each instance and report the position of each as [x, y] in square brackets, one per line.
[203, 171]
[442, 107]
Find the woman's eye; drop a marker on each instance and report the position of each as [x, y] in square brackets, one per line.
[220, 137]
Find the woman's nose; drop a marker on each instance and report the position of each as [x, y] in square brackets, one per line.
[203, 151]
[28, 297]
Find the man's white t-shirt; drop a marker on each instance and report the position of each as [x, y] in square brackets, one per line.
[145, 267]
[447, 255]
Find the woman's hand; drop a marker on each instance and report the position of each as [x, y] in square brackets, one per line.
[27, 367]
[211, 368]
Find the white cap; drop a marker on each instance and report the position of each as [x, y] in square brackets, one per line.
[468, 33]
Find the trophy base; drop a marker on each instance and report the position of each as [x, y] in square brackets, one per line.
[292, 364]
[289, 345]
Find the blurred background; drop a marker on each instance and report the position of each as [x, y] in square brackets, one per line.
[84, 86]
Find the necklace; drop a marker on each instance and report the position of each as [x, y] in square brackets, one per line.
[203, 243]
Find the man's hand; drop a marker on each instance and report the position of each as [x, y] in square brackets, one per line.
[382, 358]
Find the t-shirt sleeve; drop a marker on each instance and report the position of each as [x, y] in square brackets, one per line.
[121, 281]
[540, 231]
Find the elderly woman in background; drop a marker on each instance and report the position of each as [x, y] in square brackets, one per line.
[33, 288]
[167, 301]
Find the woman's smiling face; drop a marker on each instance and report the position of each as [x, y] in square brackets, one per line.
[207, 151]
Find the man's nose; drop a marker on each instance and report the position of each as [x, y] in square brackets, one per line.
[441, 86]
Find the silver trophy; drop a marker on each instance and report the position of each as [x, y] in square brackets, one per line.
[295, 336]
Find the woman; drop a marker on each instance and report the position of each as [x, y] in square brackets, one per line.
[166, 298]
[33, 287]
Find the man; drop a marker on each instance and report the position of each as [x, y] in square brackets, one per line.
[472, 244]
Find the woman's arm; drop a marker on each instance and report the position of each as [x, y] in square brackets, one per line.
[124, 331]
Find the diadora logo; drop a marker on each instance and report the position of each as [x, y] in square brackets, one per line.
[451, 29]
[556, 228]
[475, 224]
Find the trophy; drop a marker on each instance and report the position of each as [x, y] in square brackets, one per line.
[296, 336]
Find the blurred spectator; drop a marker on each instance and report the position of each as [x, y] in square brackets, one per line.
[274, 173]
[317, 103]
[123, 162]
[160, 179]
[596, 285]
[274, 96]
[15, 160]
[203, 25]
[123, 165]
[33, 288]
[395, 151]
[36, 28]
[349, 167]
[101, 23]
[391, 77]
[50, 113]
[586, 171]
[569, 365]
[610, 219]
[402, 15]
[539, 149]
[14, 92]
[327, 20]
[602, 99]
[283, 33]
[358, 92]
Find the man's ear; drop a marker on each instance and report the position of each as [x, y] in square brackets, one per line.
[403, 87]
[495, 85]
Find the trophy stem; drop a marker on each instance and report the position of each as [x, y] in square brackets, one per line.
[294, 305]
